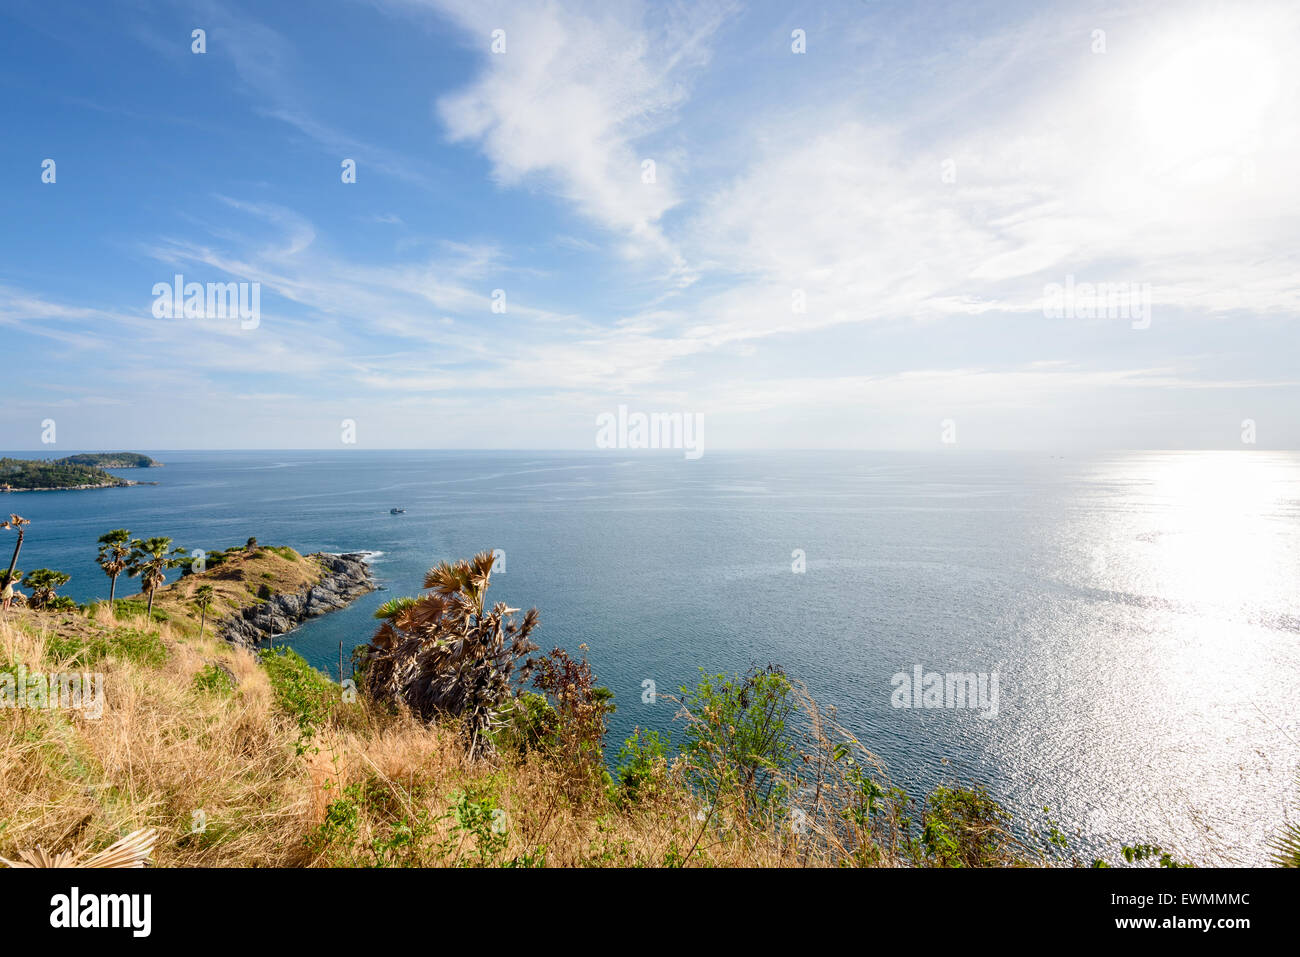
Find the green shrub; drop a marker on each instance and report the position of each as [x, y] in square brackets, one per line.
[1140, 852]
[581, 708]
[300, 691]
[478, 818]
[643, 766]
[738, 743]
[214, 680]
[529, 724]
[964, 827]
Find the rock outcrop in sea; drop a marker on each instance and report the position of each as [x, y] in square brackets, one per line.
[346, 578]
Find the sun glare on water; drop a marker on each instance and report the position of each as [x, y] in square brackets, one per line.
[1218, 546]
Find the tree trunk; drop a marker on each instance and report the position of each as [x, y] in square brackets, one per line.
[14, 563]
[112, 588]
[203, 621]
[148, 612]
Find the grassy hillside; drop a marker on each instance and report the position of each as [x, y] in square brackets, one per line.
[247, 763]
[239, 577]
[244, 759]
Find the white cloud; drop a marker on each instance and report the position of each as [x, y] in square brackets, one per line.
[576, 102]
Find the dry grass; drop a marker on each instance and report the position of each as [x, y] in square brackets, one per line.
[162, 750]
[236, 580]
[177, 747]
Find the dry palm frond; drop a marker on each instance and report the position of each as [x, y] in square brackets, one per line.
[442, 654]
[131, 851]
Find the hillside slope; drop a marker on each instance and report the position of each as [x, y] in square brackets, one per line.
[245, 759]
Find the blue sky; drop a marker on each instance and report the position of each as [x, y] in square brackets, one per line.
[920, 176]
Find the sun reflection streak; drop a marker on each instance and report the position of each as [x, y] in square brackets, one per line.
[1219, 544]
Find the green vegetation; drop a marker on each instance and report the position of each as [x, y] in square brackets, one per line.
[114, 556]
[149, 561]
[444, 653]
[19, 525]
[133, 644]
[240, 553]
[43, 582]
[203, 601]
[111, 460]
[125, 609]
[581, 707]
[642, 767]
[32, 474]
[215, 680]
[742, 745]
[1286, 846]
[474, 828]
[301, 691]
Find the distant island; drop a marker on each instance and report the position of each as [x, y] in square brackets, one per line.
[111, 460]
[38, 475]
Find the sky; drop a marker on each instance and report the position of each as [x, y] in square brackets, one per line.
[850, 224]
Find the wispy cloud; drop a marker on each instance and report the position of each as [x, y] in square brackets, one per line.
[577, 99]
[863, 231]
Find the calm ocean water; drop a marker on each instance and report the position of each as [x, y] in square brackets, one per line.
[1140, 610]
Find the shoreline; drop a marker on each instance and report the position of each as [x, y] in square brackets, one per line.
[125, 483]
[345, 578]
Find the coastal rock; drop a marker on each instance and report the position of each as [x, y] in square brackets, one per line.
[347, 577]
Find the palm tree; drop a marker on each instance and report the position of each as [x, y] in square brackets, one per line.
[442, 654]
[150, 559]
[15, 522]
[43, 582]
[203, 599]
[114, 550]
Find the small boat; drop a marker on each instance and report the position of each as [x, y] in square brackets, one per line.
[396, 511]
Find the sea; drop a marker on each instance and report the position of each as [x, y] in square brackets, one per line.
[1129, 621]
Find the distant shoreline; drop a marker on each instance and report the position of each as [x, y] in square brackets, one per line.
[77, 488]
[111, 460]
[73, 473]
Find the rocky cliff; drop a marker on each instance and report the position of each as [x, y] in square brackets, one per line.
[346, 578]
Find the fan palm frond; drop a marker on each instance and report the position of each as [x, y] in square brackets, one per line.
[391, 608]
[131, 851]
[442, 654]
[1286, 846]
